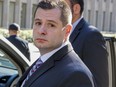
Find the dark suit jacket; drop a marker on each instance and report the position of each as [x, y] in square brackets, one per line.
[63, 69]
[89, 44]
[21, 44]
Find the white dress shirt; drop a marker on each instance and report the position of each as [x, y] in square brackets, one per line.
[48, 55]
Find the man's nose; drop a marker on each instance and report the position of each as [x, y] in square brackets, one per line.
[42, 30]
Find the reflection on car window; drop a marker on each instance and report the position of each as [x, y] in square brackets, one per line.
[6, 66]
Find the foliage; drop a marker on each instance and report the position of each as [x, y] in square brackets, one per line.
[25, 34]
[4, 32]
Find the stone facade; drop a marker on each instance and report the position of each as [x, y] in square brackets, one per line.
[100, 13]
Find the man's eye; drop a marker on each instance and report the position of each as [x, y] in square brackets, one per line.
[37, 23]
[51, 25]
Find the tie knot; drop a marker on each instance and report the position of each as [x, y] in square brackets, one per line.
[35, 67]
[38, 63]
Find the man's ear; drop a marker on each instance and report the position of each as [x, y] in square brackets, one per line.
[68, 29]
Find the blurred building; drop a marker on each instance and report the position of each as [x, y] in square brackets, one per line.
[19, 11]
[100, 13]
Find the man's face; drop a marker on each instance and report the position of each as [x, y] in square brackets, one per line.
[48, 30]
[75, 11]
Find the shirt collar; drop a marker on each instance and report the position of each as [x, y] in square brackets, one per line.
[48, 55]
[75, 23]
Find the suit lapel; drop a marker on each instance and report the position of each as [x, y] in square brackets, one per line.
[76, 31]
[45, 66]
[50, 63]
[25, 75]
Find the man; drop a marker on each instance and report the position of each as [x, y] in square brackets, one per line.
[21, 44]
[59, 65]
[89, 44]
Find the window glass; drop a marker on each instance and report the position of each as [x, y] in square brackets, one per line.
[115, 46]
[1, 11]
[33, 10]
[6, 66]
[12, 13]
[23, 16]
[109, 61]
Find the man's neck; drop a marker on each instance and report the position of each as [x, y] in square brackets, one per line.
[44, 57]
[75, 18]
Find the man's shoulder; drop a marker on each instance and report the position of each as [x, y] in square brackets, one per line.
[86, 26]
[22, 40]
[90, 30]
[76, 64]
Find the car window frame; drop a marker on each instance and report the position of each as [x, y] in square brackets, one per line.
[112, 41]
[16, 57]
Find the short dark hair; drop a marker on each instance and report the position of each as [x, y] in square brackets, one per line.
[14, 26]
[80, 2]
[66, 16]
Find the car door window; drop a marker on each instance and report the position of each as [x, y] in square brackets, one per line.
[115, 46]
[109, 61]
[6, 66]
[7, 69]
[111, 46]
